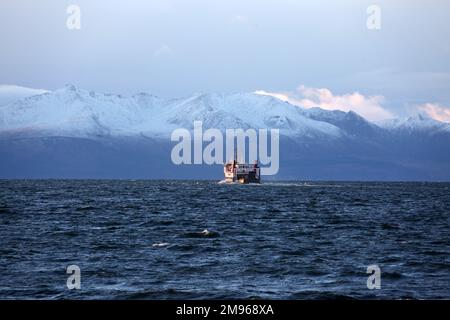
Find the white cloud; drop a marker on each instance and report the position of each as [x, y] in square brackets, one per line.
[11, 93]
[436, 111]
[370, 107]
[278, 95]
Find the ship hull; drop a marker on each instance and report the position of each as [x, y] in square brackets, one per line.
[248, 178]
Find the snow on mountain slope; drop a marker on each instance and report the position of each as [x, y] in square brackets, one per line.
[71, 111]
[74, 112]
[418, 123]
[247, 110]
[351, 122]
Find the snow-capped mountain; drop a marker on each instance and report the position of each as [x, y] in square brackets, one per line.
[75, 112]
[350, 122]
[418, 123]
[72, 132]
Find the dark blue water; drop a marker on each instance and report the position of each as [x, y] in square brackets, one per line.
[143, 240]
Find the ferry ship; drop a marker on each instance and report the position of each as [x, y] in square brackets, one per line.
[236, 172]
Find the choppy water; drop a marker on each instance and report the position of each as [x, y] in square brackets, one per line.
[144, 240]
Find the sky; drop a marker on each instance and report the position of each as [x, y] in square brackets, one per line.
[311, 53]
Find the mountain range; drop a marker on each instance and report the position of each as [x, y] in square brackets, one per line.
[76, 133]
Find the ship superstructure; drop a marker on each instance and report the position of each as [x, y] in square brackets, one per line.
[236, 172]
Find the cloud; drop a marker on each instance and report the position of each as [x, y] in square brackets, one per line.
[278, 95]
[370, 107]
[162, 51]
[436, 111]
[11, 93]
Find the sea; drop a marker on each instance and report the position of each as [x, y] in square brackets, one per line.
[144, 239]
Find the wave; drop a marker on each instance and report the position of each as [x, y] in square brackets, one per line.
[202, 234]
[160, 244]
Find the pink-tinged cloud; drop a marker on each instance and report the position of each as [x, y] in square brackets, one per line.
[436, 111]
[370, 107]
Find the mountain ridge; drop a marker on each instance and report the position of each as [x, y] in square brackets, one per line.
[76, 133]
[73, 111]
